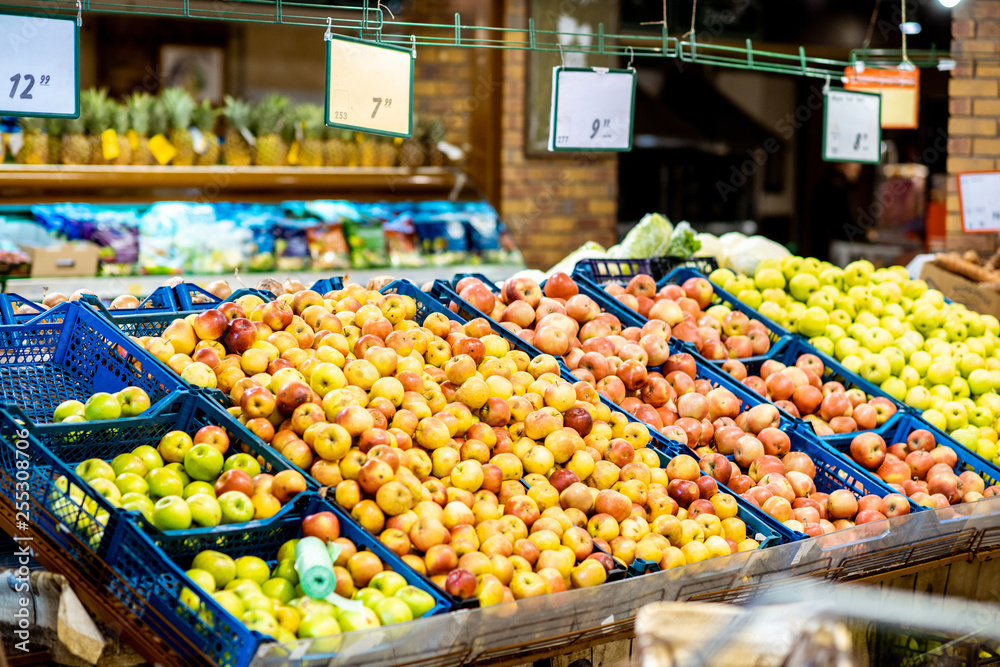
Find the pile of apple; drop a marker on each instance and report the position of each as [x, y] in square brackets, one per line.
[100, 406]
[272, 601]
[800, 391]
[920, 468]
[939, 358]
[187, 482]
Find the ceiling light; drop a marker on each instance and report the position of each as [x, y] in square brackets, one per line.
[910, 28]
[949, 3]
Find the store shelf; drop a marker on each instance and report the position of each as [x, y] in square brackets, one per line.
[111, 287]
[37, 184]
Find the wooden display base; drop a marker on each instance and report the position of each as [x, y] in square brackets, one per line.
[24, 184]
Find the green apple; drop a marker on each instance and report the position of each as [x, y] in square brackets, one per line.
[133, 401]
[769, 279]
[956, 330]
[202, 578]
[926, 318]
[67, 409]
[980, 416]
[149, 456]
[261, 621]
[244, 588]
[867, 318]
[921, 362]
[852, 363]
[995, 379]
[420, 602]
[847, 305]
[840, 318]
[941, 372]
[138, 503]
[895, 310]
[989, 400]
[92, 469]
[992, 324]
[979, 382]
[812, 266]
[219, 565]
[164, 482]
[228, 601]
[914, 289]
[977, 346]
[895, 387]
[813, 322]
[772, 311]
[988, 450]
[737, 284]
[236, 507]
[720, 276]
[244, 462]
[892, 325]
[834, 332]
[174, 445]
[102, 406]
[129, 482]
[318, 624]
[906, 346]
[751, 297]
[888, 292]
[278, 589]
[959, 388]
[941, 391]
[388, 582]
[935, 418]
[392, 610]
[171, 513]
[107, 489]
[790, 266]
[857, 331]
[252, 568]
[875, 369]
[198, 487]
[205, 510]
[846, 347]
[875, 306]
[897, 360]
[777, 296]
[802, 286]
[918, 398]
[369, 596]
[833, 277]
[260, 602]
[935, 298]
[861, 295]
[358, 620]
[286, 570]
[203, 463]
[909, 376]
[179, 469]
[823, 344]
[969, 362]
[128, 463]
[956, 415]
[821, 299]
[287, 550]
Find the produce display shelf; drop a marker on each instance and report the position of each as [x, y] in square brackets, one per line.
[43, 364]
[108, 287]
[155, 569]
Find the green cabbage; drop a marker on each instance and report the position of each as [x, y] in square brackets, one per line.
[649, 238]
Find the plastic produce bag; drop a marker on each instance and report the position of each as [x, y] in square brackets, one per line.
[747, 254]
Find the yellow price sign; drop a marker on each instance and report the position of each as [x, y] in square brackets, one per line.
[369, 87]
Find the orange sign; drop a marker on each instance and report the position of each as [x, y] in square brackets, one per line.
[900, 91]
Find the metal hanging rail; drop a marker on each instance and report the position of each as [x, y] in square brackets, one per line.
[367, 20]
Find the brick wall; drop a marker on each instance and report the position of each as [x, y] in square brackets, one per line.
[974, 106]
[551, 204]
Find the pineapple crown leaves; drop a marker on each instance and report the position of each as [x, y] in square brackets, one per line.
[178, 106]
[310, 118]
[237, 112]
[95, 107]
[54, 126]
[75, 125]
[204, 116]
[157, 118]
[120, 118]
[30, 125]
[140, 105]
[270, 115]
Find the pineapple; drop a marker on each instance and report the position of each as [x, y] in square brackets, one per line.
[366, 147]
[178, 106]
[35, 149]
[140, 107]
[435, 134]
[310, 118]
[119, 121]
[235, 148]
[54, 128]
[157, 125]
[75, 147]
[96, 109]
[385, 152]
[352, 154]
[204, 118]
[334, 150]
[411, 152]
[269, 122]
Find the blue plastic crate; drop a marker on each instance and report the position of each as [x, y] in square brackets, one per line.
[186, 293]
[186, 411]
[608, 303]
[154, 571]
[789, 350]
[161, 300]
[43, 364]
[899, 429]
[602, 271]
[51, 498]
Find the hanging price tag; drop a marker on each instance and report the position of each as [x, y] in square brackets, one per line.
[979, 198]
[162, 149]
[369, 87]
[852, 127]
[39, 66]
[592, 109]
[109, 144]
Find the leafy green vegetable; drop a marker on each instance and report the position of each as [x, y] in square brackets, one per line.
[649, 238]
[683, 242]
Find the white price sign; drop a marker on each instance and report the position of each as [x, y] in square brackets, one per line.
[39, 66]
[369, 87]
[852, 127]
[592, 109]
[979, 198]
